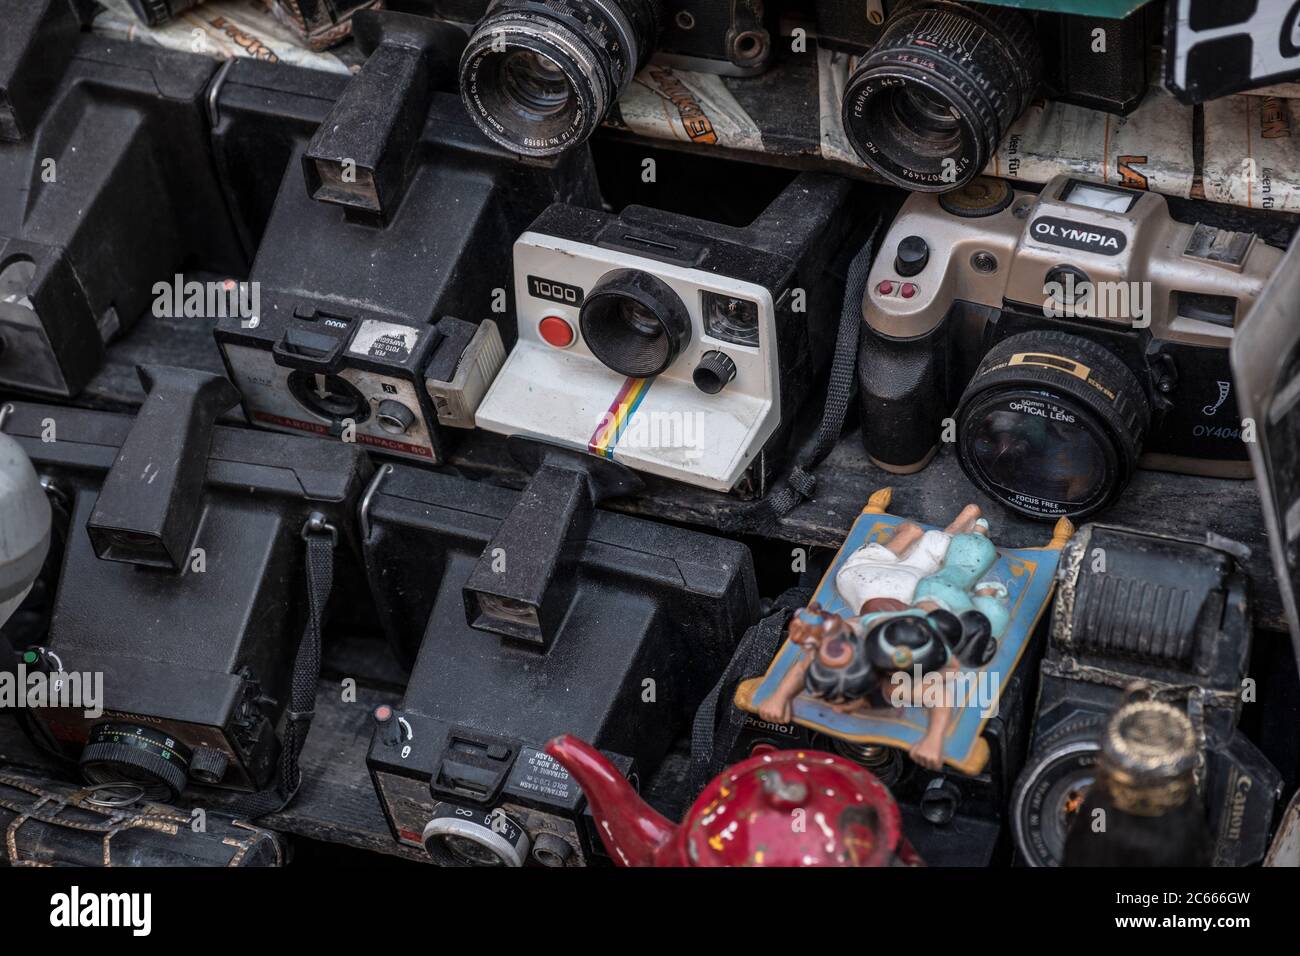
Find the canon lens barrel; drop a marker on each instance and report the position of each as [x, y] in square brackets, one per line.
[538, 78]
[1051, 424]
[927, 106]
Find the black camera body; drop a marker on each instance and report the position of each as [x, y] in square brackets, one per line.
[104, 157]
[1172, 617]
[628, 625]
[1060, 340]
[183, 581]
[371, 321]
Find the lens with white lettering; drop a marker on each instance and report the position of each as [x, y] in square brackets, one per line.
[538, 78]
[930, 101]
[1051, 425]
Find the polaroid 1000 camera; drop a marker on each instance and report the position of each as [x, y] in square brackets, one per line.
[678, 347]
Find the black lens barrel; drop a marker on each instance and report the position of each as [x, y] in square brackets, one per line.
[634, 323]
[594, 46]
[1027, 374]
[979, 64]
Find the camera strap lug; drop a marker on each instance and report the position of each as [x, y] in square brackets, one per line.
[800, 483]
[321, 538]
[711, 744]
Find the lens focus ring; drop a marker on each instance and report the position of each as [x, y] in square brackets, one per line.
[928, 105]
[1051, 424]
[538, 78]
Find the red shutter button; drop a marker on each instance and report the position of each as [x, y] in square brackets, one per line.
[885, 288]
[555, 331]
[908, 290]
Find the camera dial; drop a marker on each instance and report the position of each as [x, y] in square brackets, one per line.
[130, 753]
[467, 836]
[1051, 425]
[634, 323]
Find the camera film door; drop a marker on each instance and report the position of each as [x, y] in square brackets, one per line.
[1266, 368]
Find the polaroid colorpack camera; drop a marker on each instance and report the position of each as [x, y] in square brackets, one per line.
[1173, 617]
[940, 82]
[105, 190]
[539, 77]
[678, 347]
[529, 615]
[183, 580]
[1071, 335]
[363, 273]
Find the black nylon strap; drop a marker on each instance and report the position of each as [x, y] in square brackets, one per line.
[800, 483]
[306, 676]
[711, 743]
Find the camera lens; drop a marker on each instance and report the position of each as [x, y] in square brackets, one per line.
[330, 396]
[1052, 788]
[145, 756]
[634, 323]
[1051, 425]
[539, 78]
[466, 836]
[928, 105]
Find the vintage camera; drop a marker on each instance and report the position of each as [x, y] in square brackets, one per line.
[1173, 617]
[184, 584]
[1071, 335]
[538, 78]
[366, 277]
[941, 81]
[535, 615]
[105, 190]
[675, 346]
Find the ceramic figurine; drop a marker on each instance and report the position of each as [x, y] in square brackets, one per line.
[922, 608]
[910, 636]
[781, 808]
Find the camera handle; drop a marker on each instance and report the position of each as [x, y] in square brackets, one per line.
[711, 743]
[800, 482]
[321, 538]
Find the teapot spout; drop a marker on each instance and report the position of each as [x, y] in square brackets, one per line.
[633, 833]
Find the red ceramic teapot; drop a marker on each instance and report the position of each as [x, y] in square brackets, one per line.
[781, 808]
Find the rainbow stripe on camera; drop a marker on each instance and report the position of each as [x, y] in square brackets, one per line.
[614, 422]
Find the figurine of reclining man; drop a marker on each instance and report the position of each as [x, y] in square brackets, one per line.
[922, 606]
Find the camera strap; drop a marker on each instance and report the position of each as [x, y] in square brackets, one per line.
[321, 538]
[711, 744]
[800, 483]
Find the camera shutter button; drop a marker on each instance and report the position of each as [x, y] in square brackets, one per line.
[912, 256]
